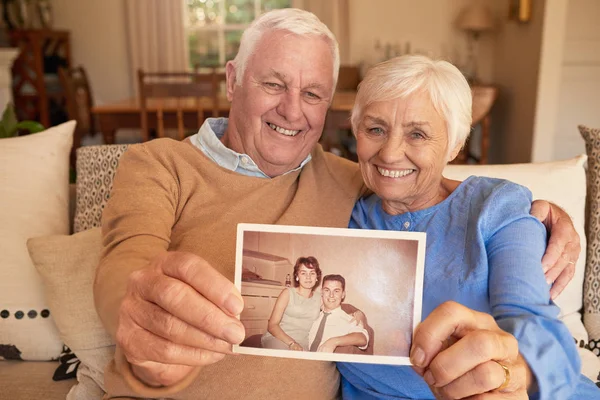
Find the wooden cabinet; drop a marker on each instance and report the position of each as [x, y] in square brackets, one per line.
[259, 300]
[37, 93]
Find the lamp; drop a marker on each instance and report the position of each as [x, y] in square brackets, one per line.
[474, 19]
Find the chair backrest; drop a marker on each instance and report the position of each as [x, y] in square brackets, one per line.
[78, 96]
[484, 98]
[178, 92]
[350, 309]
[348, 78]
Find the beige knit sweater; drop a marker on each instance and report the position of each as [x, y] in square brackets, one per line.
[168, 195]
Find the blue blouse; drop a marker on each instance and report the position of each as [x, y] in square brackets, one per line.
[484, 251]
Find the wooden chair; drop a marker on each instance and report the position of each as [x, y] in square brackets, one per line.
[79, 100]
[350, 309]
[484, 98]
[337, 125]
[348, 78]
[181, 93]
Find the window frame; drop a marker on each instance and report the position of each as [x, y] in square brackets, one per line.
[220, 28]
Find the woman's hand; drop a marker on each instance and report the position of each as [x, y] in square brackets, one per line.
[296, 346]
[460, 353]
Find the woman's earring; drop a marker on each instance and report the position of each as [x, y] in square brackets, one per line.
[297, 279]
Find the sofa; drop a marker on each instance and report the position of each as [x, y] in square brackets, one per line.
[51, 246]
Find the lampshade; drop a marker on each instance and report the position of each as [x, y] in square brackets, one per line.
[476, 17]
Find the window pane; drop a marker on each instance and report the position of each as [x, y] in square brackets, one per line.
[204, 48]
[232, 43]
[268, 5]
[239, 11]
[204, 12]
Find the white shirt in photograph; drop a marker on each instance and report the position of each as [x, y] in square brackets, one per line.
[338, 323]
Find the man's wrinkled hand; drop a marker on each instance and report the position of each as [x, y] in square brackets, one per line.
[178, 314]
[564, 245]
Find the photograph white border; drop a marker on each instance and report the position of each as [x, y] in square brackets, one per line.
[420, 237]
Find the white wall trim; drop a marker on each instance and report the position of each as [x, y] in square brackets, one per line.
[549, 79]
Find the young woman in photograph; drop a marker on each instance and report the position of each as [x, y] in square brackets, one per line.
[296, 309]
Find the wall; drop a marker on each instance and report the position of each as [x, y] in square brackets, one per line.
[511, 57]
[549, 79]
[579, 92]
[429, 26]
[516, 72]
[98, 42]
[378, 275]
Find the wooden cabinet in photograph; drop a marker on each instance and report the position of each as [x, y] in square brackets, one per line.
[259, 300]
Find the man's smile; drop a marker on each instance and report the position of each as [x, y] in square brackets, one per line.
[287, 132]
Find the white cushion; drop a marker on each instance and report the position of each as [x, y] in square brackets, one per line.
[563, 183]
[34, 188]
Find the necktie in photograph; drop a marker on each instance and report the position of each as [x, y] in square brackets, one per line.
[319, 336]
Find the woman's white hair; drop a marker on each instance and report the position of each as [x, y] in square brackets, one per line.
[296, 21]
[403, 76]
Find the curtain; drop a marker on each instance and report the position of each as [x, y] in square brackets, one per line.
[334, 14]
[156, 35]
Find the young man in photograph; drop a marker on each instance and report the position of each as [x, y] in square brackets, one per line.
[334, 327]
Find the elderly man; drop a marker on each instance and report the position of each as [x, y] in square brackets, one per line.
[164, 285]
[334, 327]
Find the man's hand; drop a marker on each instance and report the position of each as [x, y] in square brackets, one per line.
[563, 247]
[178, 313]
[358, 318]
[461, 353]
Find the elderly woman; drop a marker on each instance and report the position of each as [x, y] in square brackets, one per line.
[295, 309]
[412, 116]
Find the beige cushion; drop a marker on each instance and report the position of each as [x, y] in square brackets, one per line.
[87, 387]
[34, 188]
[561, 182]
[67, 265]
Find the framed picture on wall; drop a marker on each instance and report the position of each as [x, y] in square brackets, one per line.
[328, 293]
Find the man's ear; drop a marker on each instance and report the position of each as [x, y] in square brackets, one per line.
[230, 74]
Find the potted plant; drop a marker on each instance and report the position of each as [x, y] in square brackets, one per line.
[10, 126]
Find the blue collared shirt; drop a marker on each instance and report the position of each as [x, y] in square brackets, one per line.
[484, 251]
[208, 140]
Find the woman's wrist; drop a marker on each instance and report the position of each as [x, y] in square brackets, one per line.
[291, 343]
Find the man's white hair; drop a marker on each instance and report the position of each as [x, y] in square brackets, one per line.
[296, 21]
[403, 76]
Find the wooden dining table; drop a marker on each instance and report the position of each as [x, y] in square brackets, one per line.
[125, 114]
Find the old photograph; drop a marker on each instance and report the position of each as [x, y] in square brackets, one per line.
[328, 293]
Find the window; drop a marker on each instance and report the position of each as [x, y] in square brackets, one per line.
[214, 27]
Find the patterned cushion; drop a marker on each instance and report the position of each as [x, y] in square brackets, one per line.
[591, 286]
[96, 167]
